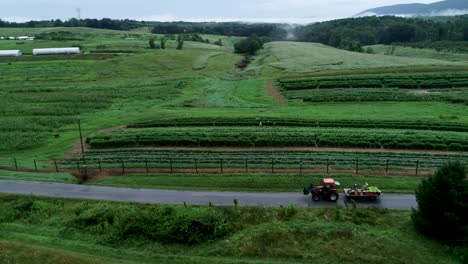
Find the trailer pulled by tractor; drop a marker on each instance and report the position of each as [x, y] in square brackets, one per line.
[366, 192]
[327, 190]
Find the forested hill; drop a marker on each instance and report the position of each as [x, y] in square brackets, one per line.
[352, 33]
[272, 31]
[438, 8]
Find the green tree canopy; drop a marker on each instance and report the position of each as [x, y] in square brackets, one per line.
[443, 205]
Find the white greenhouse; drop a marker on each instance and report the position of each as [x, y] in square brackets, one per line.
[10, 53]
[56, 51]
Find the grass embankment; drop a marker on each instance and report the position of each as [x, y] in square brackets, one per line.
[130, 233]
[400, 51]
[297, 57]
[254, 182]
[16, 252]
[42, 177]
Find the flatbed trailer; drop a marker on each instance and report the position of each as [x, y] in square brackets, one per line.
[372, 193]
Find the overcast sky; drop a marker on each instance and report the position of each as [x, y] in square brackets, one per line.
[293, 11]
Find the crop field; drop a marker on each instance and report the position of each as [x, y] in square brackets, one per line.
[282, 137]
[446, 86]
[127, 95]
[190, 119]
[264, 160]
[297, 122]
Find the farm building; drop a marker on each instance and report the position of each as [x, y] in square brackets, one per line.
[10, 53]
[25, 38]
[56, 51]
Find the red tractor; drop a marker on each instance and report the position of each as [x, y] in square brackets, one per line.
[327, 190]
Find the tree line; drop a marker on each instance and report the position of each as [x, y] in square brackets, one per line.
[350, 33]
[353, 33]
[105, 23]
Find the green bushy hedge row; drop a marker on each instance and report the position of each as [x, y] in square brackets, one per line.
[295, 122]
[282, 137]
[406, 81]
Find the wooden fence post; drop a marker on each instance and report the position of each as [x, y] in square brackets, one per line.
[246, 166]
[196, 166]
[357, 166]
[35, 165]
[300, 167]
[16, 163]
[386, 168]
[170, 164]
[272, 166]
[85, 167]
[99, 164]
[221, 164]
[78, 166]
[417, 168]
[146, 164]
[328, 166]
[123, 166]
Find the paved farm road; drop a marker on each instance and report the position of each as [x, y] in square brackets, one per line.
[390, 201]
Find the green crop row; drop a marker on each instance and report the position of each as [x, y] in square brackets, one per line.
[459, 96]
[259, 159]
[282, 137]
[407, 81]
[296, 122]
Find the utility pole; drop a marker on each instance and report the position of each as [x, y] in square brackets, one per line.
[78, 12]
[81, 136]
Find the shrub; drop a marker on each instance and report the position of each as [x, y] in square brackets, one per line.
[443, 203]
[249, 45]
[184, 225]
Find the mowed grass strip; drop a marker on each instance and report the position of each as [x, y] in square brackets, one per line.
[31, 176]
[254, 182]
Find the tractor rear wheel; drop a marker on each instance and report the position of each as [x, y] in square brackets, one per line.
[315, 197]
[333, 197]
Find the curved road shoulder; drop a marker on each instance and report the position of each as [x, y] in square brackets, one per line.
[75, 191]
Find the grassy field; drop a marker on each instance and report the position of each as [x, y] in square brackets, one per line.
[254, 182]
[31, 176]
[294, 57]
[417, 53]
[103, 232]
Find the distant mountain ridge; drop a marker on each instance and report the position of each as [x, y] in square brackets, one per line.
[442, 8]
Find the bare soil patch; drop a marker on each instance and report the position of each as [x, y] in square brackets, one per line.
[279, 98]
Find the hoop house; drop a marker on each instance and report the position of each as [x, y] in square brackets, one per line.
[56, 51]
[10, 53]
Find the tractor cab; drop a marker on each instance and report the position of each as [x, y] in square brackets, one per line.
[327, 190]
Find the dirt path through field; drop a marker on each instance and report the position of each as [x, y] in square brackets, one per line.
[77, 144]
[279, 98]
